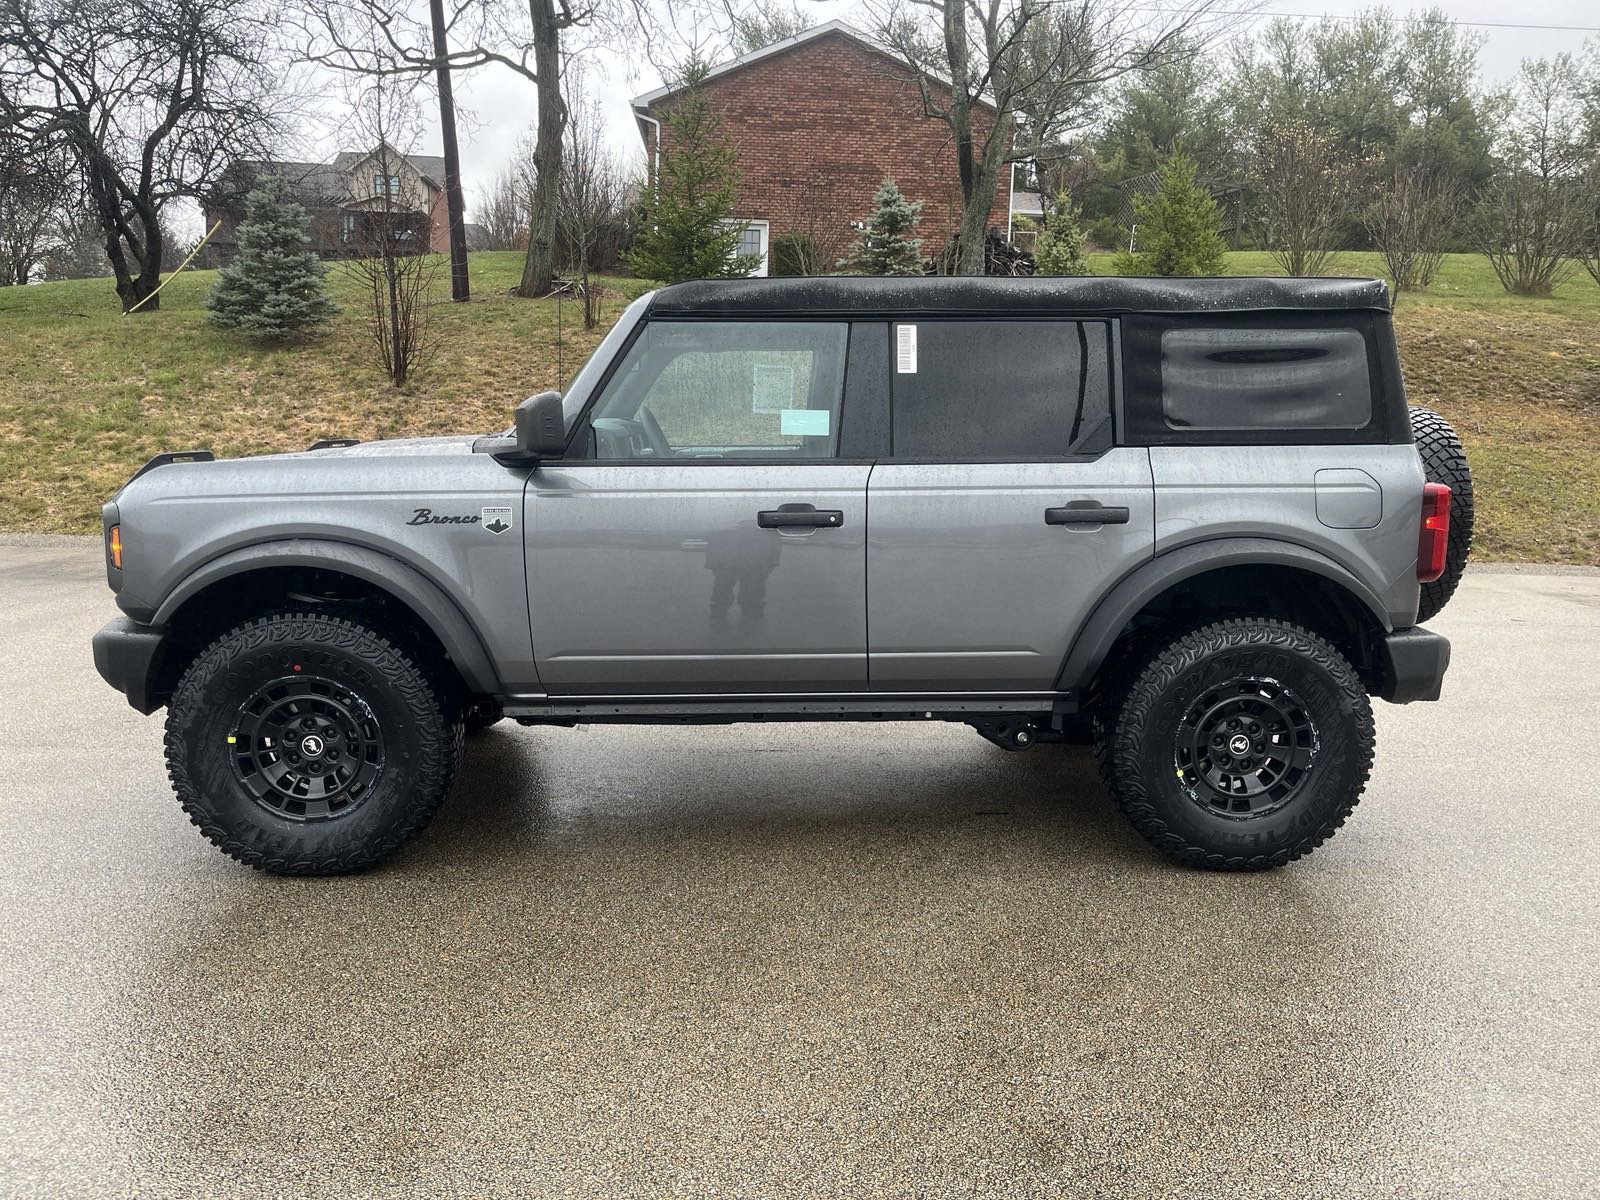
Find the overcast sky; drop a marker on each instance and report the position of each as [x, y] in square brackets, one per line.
[498, 106]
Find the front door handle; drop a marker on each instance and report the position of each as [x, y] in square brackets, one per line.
[1086, 512]
[789, 516]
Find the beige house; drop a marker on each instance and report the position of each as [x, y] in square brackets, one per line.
[339, 197]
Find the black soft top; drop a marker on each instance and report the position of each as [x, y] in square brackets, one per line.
[856, 295]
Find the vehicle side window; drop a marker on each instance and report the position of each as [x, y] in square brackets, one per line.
[724, 389]
[1234, 379]
[1001, 389]
[1256, 378]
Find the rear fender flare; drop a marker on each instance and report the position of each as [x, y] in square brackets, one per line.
[1098, 634]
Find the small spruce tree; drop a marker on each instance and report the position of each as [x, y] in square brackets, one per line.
[1177, 229]
[1059, 250]
[887, 247]
[276, 286]
[686, 226]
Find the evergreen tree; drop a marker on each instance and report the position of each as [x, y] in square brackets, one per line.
[886, 245]
[1177, 229]
[276, 286]
[686, 230]
[1059, 250]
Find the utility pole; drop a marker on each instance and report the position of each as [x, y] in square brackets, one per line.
[455, 206]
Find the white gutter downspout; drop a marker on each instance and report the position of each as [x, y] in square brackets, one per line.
[1011, 203]
[654, 151]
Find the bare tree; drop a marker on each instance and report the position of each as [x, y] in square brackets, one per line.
[1531, 221]
[35, 189]
[593, 192]
[524, 36]
[1305, 186]
[1411, 221]
[1011, 76]
[504, 210]
[393, 271]
[819, 228]
[757, 24]
[153, 99]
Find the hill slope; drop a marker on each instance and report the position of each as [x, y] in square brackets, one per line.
[86, 395]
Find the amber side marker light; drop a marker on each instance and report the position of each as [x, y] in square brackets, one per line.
[114, 546]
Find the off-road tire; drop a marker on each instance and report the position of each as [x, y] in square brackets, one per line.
[1444, 461]
[1140, 721]
[419, 737]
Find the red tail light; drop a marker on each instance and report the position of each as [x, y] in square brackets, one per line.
[1433, 542]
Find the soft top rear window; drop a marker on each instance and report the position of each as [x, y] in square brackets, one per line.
[1242, 378]
[1265, 379]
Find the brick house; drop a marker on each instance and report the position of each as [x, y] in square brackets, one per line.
[819, 120]
[339, 197]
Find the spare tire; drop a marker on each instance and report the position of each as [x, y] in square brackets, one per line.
[1444, 461]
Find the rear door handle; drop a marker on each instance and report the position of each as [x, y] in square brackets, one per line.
[789, 516]
[1086, 512]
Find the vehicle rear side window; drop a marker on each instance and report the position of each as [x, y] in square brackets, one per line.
[1001, 389]
[1243, 378]
[1264, 379]
[724, 389]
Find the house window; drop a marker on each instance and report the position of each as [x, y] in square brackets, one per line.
[386, 185]
[348, 230]
[753, 240]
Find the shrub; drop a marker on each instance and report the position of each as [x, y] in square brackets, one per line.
[1059, 249]
[1178, 229]
[793, 254]
[276, 286]
[887, 247]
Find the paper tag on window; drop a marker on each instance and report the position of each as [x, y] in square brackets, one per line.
[804, 422]
[905, 349]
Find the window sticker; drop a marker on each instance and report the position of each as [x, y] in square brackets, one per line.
[772, 387]
[804, 422]
[905, 349]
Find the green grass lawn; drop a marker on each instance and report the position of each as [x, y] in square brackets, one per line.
[86, 394]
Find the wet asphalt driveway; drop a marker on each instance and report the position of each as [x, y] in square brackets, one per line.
[808, 961]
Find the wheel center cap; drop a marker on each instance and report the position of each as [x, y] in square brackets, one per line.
[312, 746]
[1238, 745]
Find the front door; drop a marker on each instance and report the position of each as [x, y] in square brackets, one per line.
[1004, 511]
[706, 537]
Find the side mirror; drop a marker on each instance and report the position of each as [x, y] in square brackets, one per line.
[541, 427]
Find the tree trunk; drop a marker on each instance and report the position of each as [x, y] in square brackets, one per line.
[460, 287]
[397, 354]
[971, 172]
[538, 272]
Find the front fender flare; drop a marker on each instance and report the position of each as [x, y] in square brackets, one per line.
[405, 583]
[1098, 634]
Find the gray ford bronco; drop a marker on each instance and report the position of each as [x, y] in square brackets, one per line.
[1192, 521]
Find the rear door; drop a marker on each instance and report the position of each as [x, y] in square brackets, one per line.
[1004, 511]
[707, 536]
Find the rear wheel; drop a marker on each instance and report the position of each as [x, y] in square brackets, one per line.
[305, 744]
[1240, 746]
[1445, 461]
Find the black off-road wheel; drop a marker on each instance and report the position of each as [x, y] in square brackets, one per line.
[1445, 461]
[1240, 746]
[305, 744]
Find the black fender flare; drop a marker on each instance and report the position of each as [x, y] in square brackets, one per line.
[1123, 602]
[405, 583]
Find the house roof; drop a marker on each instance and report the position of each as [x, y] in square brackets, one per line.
[853, 295]
[429, 166]
[327, 184]
[319, 184]
[641, 104]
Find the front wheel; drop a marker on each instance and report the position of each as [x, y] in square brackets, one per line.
[1240, 746]
[304, 744]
